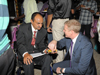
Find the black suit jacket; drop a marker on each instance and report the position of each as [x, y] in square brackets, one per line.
[24, 38]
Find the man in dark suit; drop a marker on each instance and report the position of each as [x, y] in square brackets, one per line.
[78, 47]
[25, 46]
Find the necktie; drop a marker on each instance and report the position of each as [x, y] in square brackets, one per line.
[33, 39]
[71, 52]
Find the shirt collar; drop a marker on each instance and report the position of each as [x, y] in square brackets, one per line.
[33, 28]
[74, 40]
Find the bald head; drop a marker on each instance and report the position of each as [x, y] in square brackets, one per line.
[35, 14]
[37, 21]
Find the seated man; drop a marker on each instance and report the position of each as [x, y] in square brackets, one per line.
[27, 44]
[78, 47]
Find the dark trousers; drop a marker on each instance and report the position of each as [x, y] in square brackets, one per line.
[44, 61]
[87, 29]
[62, 64]
[7, 62]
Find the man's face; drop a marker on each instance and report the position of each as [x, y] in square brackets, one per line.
[67, 32]
[38, 22]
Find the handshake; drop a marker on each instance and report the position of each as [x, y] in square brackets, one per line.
[49, 51]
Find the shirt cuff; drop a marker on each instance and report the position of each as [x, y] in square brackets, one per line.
[24, 53]
[63, 70]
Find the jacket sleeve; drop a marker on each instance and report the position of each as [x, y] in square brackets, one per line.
[21, 41]
[51, 7]
[61, 44]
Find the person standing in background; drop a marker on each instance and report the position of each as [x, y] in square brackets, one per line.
[22, 17]
[39, 5]
[88, 8]
[45, 8]
[58, 12]
[30, 7]
[7, 56]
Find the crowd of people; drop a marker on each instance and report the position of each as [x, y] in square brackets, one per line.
[68, 38]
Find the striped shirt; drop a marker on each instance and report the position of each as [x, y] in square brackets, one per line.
[85, 15]
[4, 20]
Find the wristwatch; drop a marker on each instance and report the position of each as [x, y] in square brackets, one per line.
[48, 27]
[61, 70]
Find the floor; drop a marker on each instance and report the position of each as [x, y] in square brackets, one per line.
[96, 57]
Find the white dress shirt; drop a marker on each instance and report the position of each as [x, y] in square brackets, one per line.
[32, 36]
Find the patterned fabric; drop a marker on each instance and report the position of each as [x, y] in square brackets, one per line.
[14, 36]
[4, 20]
[33, 40]
[94, 29]
[85, 15]
[16, 5]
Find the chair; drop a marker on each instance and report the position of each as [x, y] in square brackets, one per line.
[19, 68]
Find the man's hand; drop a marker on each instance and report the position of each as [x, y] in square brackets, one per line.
[16, 19]
[52, 45]
[82, 6]
[49, 29]
[72, 11]
[27, 59]
[58, 70]
[86, 8]
[98, 13]
[49, 51]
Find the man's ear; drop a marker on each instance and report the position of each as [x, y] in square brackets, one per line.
[31, 21]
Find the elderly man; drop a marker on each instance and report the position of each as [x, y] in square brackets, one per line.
[79, 49]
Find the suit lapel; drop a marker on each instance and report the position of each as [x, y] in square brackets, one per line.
[40, 35]
[30, 31]
[68, 45]
[77, 44]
